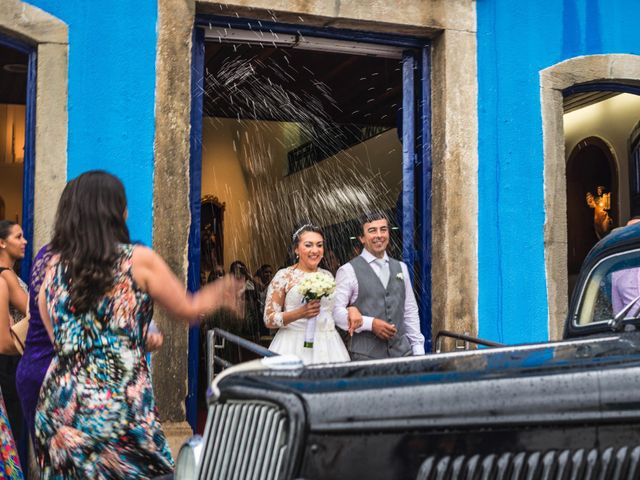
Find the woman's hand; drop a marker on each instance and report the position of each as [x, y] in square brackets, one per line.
[355, 319]
[310, 309]
[229, 290]
[154, 339]
[154, 342]
[153, 275]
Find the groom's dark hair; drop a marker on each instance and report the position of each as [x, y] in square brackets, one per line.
[371, 217]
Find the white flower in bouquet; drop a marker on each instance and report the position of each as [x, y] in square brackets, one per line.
[315, 286]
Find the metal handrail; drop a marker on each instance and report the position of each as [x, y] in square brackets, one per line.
[212, 346]
[244, 343]
[467, 339]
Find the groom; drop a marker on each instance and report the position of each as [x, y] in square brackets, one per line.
[380, 288]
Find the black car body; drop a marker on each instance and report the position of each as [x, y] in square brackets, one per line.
[567, 409]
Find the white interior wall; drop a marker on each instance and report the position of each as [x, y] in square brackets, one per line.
[11, 190]
[244, 164]
[12, 128]
[223, 177]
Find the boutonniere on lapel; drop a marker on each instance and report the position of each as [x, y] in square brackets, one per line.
[400, 276]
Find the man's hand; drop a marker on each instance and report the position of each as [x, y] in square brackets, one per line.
[355, 319]
[382, 329]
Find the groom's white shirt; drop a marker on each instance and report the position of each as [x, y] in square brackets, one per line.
[347, 294]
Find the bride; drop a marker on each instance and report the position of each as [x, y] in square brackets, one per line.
[286, 311]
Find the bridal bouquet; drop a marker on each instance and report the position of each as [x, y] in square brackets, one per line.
[314, 287]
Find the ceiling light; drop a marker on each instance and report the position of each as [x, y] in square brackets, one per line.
[15, 68]
[253, 37]
[318, 44]
[343, 46]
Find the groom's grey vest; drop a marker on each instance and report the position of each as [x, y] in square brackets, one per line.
[386, 304]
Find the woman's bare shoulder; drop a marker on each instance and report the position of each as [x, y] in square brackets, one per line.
[12, 280]
[8, 274]
[143, 255]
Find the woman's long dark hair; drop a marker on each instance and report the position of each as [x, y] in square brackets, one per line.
[5, 228]
[89, 226]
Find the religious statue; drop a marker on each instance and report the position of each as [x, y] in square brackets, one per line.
[601, 204]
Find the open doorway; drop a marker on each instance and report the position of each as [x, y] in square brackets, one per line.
[601, 174]
[13, 91]
[291, 136]
[17, 88]
[299, 129]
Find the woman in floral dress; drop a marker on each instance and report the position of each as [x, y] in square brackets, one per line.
[96, 416]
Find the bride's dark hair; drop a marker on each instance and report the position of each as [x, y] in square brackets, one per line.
[87, 231]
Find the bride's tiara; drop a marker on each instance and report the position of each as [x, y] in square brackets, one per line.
[300, 230]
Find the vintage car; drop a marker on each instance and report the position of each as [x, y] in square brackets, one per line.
[559, 410]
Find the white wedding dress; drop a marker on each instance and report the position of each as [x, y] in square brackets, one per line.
[328, 347]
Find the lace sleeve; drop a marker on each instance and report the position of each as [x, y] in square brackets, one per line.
[274, 301]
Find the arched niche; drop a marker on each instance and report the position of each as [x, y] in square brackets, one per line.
[591, 164]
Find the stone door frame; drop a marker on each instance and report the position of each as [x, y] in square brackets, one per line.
[451, 26]
[554, 81]
[49, 35]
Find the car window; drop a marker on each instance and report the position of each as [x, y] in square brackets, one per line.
[611, 290]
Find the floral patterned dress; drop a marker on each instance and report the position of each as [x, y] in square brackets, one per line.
[10, 463]
[96, 416]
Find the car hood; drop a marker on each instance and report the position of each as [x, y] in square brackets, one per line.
[583, 379]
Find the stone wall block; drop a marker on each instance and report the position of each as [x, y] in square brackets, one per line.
[455, 184]
[171, 212]
[51, 138]
[19, 19]
[400, 17]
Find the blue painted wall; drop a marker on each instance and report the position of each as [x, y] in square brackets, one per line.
[111, 125]
[514, 44]
[112, 56]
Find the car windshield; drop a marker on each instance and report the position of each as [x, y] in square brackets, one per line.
[612, 290]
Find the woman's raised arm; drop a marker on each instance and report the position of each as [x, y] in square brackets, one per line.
[154, 276]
